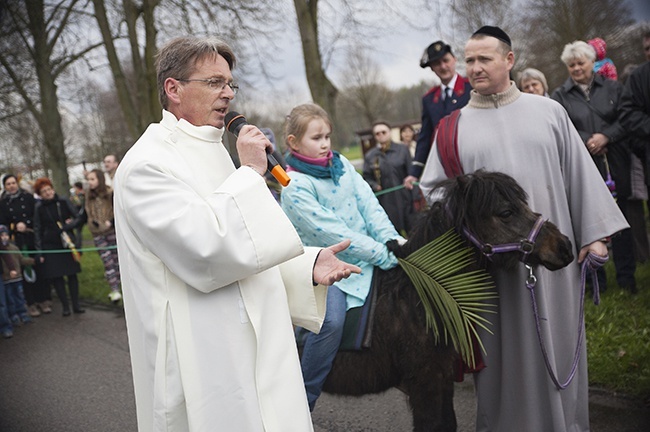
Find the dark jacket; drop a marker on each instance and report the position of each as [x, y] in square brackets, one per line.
[434, 108]
[600, 113]
[19, 208]
[384, 170]
[48, 235]
[635, 113]
[635, 104]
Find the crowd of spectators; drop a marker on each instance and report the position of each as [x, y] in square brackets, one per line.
[41, 244]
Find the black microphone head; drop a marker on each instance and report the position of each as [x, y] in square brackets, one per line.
[234, 122]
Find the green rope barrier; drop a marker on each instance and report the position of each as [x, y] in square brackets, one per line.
[393, 189]
[35, 252]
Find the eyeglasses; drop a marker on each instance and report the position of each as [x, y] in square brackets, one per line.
[214, 83]
[381, 132]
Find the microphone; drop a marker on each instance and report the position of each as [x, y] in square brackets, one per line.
[234, 123]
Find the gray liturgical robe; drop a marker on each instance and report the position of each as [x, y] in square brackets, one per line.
[532, 139]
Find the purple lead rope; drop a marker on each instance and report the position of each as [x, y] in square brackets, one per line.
[592, 263]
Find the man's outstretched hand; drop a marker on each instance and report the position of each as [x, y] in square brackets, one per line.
[329, 269]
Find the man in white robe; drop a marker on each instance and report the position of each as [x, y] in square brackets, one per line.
[531, 139]
[211, 267]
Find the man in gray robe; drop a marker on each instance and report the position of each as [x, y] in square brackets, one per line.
[531, 139]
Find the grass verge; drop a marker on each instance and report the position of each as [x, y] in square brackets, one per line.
[618, 337]
[352, 152]
[93, 287]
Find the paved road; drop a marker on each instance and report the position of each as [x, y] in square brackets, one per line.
[74, 375]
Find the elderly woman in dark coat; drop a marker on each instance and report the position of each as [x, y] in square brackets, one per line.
[52, 216]
[593, 104]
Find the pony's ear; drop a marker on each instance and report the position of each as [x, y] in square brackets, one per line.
[457, 197]
[463, 182]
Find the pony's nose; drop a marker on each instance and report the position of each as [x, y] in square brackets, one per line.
[560, 257]
[566, 251]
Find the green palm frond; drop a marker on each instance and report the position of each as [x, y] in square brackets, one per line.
[454, 301]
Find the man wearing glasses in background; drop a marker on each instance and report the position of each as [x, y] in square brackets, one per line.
[385, 167]
[213, 272]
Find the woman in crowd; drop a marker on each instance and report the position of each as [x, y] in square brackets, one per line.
[101, 223]
[407, 136]
[17, 212]
[328, 201]
[533, 81]
[54, 216]
[593, 104]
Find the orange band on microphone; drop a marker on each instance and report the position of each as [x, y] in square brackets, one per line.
[233, 119]
[280, 175]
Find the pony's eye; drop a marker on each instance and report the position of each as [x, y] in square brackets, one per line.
[505, 214]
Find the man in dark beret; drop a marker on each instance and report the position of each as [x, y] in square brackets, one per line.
[439, 101]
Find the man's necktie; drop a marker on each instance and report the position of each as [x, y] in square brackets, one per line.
[447, 101]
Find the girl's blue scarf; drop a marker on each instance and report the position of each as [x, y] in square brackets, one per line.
[327, 167]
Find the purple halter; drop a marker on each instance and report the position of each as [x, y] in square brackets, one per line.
[524, 246]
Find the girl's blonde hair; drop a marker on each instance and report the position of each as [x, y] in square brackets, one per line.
[299, 118]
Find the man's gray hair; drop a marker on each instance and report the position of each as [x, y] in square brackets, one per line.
[178, 59]
[577, 50]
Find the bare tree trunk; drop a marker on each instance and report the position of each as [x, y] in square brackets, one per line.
[322, 89]
[49, 118]
[121, 87]
[146, 99]
[154, 108]
[142, 107]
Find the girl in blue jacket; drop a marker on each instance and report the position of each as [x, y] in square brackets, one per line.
[328, 201]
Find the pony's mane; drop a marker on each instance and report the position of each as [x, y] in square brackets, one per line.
[463, 201]
[468, 198]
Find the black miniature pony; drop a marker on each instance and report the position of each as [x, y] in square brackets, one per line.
[403, 353]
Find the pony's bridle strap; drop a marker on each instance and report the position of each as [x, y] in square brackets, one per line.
[524, 246]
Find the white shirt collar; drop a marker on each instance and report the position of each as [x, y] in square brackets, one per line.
[451, 85]
[205, 133]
